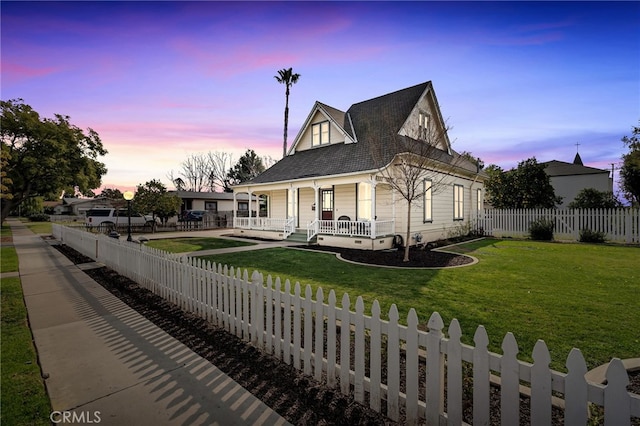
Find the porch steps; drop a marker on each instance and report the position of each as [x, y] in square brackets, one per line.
[301, 237]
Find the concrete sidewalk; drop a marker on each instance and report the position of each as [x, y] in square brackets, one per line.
[106, 364]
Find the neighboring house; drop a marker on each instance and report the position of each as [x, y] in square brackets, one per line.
[78, 206]
[333, 190]
[218, 203]
[568, 179]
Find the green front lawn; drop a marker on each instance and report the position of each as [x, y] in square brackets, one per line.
[569, 295]
[185, 245]
[23, 397]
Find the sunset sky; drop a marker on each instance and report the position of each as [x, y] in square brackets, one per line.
[160, 81]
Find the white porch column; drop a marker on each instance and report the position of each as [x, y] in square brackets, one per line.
[316, 193]
[235, 210]
[374, 215]
[250, 205]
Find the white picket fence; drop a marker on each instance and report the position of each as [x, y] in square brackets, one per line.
[619, 225]
[395, 369]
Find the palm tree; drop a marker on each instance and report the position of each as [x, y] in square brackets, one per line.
[286, 77]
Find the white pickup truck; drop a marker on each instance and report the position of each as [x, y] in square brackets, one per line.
[107, 219]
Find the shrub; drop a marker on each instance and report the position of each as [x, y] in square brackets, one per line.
[39, 217]
[541, 229]
[589, 236]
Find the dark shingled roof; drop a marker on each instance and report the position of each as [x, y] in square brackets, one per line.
[374, 122]
[561, 168]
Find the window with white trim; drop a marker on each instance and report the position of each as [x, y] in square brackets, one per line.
[364, 201]
[428, 205]
[320, 133]
[479, 199]
[423, 125]
[458, 202]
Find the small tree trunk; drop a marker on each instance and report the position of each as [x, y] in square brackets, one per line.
[408, 237]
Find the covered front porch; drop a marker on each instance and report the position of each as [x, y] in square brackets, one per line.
[354, 212]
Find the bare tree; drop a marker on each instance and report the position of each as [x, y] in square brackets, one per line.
[218, 165]
[200, 172]
[408, 159]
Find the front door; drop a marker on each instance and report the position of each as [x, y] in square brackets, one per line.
[326, 199]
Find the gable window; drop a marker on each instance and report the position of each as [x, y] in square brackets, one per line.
[423, 125]
[428, 206]
[320, 133]
[458, 202]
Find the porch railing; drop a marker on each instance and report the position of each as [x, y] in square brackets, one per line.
[350, 228]
[355, 228]
[289, 227]
[262, 223]
[312, 229]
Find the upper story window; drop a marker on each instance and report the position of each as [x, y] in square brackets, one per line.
[423, 125]
[320, 133]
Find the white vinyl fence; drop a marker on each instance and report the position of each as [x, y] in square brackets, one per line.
[395, 369]
[619, 225]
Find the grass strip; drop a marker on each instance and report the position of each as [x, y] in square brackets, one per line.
[24, 399]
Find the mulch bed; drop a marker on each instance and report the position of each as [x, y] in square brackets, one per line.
[298, 398]
[418, 257]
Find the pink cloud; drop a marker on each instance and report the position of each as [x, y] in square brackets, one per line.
[13, 72]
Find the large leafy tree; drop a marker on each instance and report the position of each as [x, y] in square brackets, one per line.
[152, 197]
[287, 77]
[44, 156]
[526, 187]
[630, 170]
[248, 166]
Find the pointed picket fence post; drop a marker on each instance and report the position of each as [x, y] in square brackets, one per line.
[411, 368]
[454, 374]
[296, 326]
[435, 370]
[617, 407]
[541, 385]
[246, 312]
[331, 340]
[345, 344]
[481, 386]
[287, 323]
[576, 406]
[257, 318]
[510, 381]
[319, 330]
[358, 387]
[222, 277]
[269, 315]
[231, 306]
[308, 330]
[375, 361]
[277, 319]
[393, 365]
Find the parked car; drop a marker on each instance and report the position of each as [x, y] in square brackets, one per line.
[192, 215]
[108, 218]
